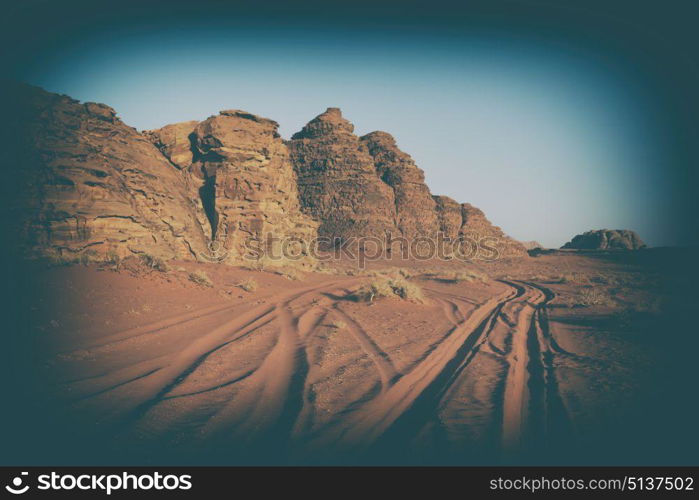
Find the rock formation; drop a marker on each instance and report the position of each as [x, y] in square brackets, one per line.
[246, 183]
[466, 221]
[475, 225]
[368, 187]
[207, 190]
[175, 142]
[449, 216]
[90, 185]
[338, 183]
[415, 209]
[606, 239]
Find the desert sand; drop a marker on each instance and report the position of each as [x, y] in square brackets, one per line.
[550, 359]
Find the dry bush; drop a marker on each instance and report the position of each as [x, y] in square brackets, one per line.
[289, 268]
[595, 297]
[200, 278]
[575, 278]
[393, 272]
[467, 275]
[545, 278]
[337, 324]
[324, 268]
[56, 258]
[385, 286]
[607, 280]
[290, 274]
[249, 285]
[113, 260]
[153, 262]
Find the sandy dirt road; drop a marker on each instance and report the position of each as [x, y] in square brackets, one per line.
[303, 377]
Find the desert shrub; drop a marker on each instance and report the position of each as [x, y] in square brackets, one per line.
[153, 262]
[113, 260]
[606, 280]
[406, 273]
[467, 275]
[55, 258]
[388, 287]
[290, 274]
[200, 278]
[266, 263]
[544, 278]
[393, 272]
[595, 297]
[338, 324]
[249, 285]
[406, 290]
[575, 278]
[324, 268]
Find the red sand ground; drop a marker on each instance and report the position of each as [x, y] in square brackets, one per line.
[543, 360]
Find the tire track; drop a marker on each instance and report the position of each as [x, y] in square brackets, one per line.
[382, 361]
[522, 368]
[422, 383]
[146, 391]
[555, 427]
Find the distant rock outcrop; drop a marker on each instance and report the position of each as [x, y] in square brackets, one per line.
[606, 239]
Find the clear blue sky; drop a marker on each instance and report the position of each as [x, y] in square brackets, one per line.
[548, 140]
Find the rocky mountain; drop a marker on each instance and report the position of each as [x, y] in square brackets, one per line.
[415, 209]
[205, 190]
[175, 142]
[475, 224]
[85, 183]
[359, 186]
[237, 173]
[606, 239]
[338, 183]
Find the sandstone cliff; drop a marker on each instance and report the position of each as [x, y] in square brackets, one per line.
[90, 185]
[368, 187]
[175, 142]
[246, 183]
[415, 209]
[338, 183]
[475, 225]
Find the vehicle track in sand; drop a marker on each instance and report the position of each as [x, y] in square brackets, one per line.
[154, 379]
[272, 402]
[418, 388]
